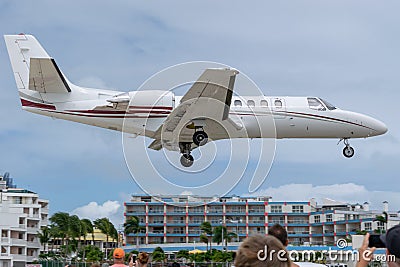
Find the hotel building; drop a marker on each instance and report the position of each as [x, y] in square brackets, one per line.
[177, 219]
[22, 214]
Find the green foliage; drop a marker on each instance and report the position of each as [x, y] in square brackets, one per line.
[92, 253]
[222, 256]
[359, 232]
[158, 256]
[158, 249]
[107, 228]
[182, 254]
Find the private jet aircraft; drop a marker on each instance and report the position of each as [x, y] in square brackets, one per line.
[208, 111]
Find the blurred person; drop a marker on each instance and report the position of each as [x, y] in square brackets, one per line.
[391, 240]
[141, 260]
[262, 251]
[119, 256]
[281, 234]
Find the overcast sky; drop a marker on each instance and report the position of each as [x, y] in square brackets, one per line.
[344, 51]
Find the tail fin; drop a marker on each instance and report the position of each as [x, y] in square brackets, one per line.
[33, 68]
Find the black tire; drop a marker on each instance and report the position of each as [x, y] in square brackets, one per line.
[187, 160]
[348, 151]
[200, 138]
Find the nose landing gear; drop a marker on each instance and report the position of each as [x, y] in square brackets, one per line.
[348, 151]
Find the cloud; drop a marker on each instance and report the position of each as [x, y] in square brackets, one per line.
[109, 209]
[347, 192]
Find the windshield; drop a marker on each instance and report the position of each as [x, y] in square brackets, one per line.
[328, 105]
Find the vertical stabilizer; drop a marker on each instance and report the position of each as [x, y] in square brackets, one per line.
[21, 48]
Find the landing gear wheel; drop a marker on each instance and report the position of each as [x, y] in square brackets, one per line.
[200, 138]
[348, 151]
[187, 160]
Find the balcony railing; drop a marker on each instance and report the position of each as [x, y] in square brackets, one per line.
[5, 240]
[16, 241]
[276, 222]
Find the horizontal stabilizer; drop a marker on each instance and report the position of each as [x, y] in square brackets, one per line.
[46, 77]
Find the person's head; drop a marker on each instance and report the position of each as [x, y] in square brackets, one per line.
[392, 242]
[119, 255]
[279, 232]
[143, 258]
[251, 252]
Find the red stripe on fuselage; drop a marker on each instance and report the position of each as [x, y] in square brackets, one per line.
[27, 103]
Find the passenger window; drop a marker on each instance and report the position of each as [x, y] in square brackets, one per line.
[278, 103]
[264, 103]
[238, 103]
[315, 104]
[251, 103]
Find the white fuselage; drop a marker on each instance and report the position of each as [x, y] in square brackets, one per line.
[294, 117]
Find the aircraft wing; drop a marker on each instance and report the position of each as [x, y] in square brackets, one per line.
[206, 103]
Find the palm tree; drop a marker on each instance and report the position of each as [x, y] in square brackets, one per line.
[204, 239]
[60, 222]
[107, 228]
[86, 228]
[44, 237]
[227, 236]
[68, 227]
[207, 229]
[132, 226]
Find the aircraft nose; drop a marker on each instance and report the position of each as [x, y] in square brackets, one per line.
[378, 127]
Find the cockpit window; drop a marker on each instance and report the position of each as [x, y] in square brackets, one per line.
[328, 105]
[315, 104]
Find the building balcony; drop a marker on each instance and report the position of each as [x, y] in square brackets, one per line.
[276, 222]
[5, 255]
[32, 230]
[34, 244]
[257, 224]
[18, 242]
[300, 234]
[18, 257]
[5, 240]
[156, 224]
[154, 234]
[176, 234]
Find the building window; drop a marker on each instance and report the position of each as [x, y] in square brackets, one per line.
[276, 209]
[297, 209]
[380, 226]
[179, 209]
[329, 218]
[368, 226]
[317, 219]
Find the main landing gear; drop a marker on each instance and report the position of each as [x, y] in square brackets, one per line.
[200, 138]
[348, 151]
[186, 159]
